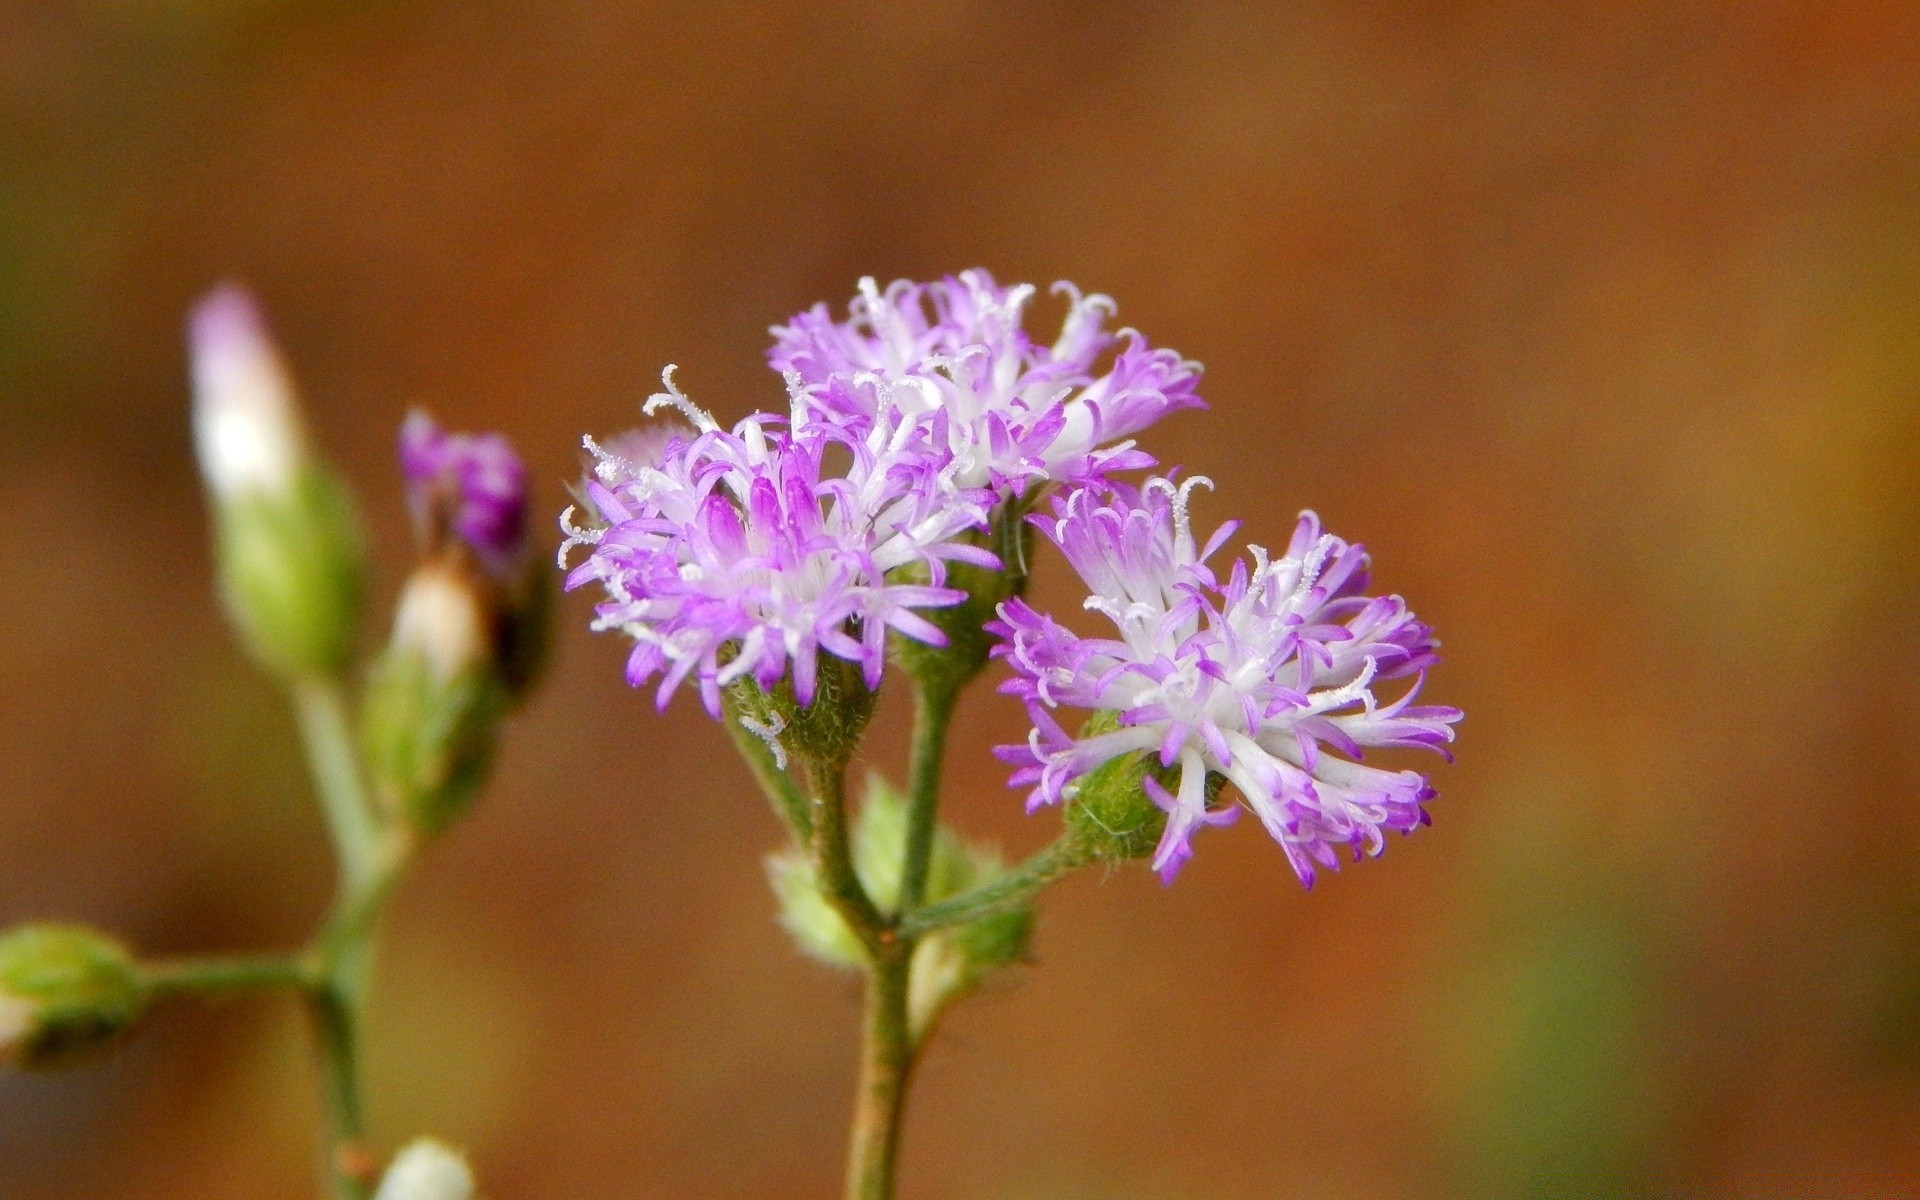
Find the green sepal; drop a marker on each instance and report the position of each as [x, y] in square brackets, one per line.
[428, 743]
[969, 645]
[827, 731]
[291, 570]
[72, 990]
[1109, 814]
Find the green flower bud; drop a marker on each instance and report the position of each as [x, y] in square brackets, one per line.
[434, 698]
[290, 562]
[65, 992]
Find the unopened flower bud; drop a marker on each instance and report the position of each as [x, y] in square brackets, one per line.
[246, 423]
[443, 617]
[426, 1170]
[289, 552]
[65, 992]
[469, 490]
[435, 697]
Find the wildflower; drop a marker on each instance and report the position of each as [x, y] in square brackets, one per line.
[472, 486]
[735, 554]
[290, 563]
[1012, 413]
[1267, 679]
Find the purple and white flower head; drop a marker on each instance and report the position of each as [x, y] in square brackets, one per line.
[1267, 679]
[728, 554]
[471, 485]
[1012, 412]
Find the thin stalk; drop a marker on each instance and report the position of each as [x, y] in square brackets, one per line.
[215, 976]
[336, 1020]
[933, 714]
[335, 762]
[1000, 894]
[372, 856]
[840, 884]
[886, 1068]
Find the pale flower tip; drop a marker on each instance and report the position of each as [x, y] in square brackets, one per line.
[427, 1170]
[16, 1024]
[245, 420]
[443, 616]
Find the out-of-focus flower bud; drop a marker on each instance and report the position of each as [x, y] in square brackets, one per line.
[469, 490]
[289, 552]
[65, 992]
[435, 696]
[426, 1170]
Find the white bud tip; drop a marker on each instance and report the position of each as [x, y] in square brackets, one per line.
[246, 426]
[426, 1170]
[441, 616]
[16, 1022]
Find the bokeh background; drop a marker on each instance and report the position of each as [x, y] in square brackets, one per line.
[1599, 324]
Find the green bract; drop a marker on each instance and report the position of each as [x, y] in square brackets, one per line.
[290, 570]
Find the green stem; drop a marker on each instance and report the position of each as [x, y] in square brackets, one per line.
[336, 1020]
[214, 976]
[886, 1068]
[933, 714]
[335, 763]
[372, 856]
[999, 894]
[839, 882]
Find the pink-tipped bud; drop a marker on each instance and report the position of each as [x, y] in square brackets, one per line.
[246, 422]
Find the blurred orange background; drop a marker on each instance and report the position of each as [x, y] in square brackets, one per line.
[1599, 324]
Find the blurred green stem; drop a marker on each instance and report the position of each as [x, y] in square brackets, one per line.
[213, 976]
[373, 853]
[331, 755]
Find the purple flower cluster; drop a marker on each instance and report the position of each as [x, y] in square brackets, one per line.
[747, 552]
[733, 553]
[1009, 412]
[1267, 678]
[471, 485]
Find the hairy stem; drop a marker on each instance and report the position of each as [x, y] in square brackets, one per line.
[933, 714]
[999, 894]
[886, 1068]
